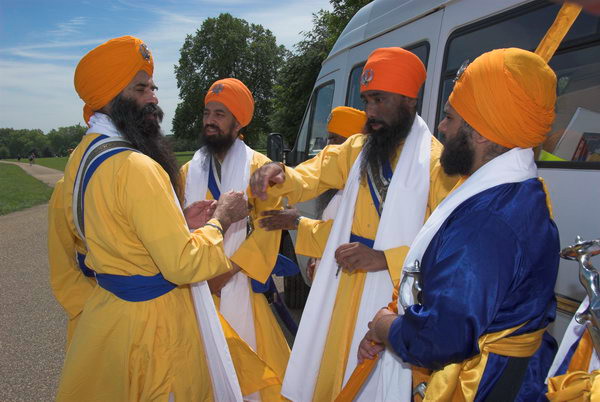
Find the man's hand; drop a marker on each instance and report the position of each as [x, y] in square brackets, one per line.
[356, 256]
[265, 176]
[368, 349]
[374, 340]
[231, 207]
[197, 214]
[280, 219]
[311, 268]
[218, 282]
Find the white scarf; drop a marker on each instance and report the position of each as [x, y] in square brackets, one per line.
[513, 166]
[102, 124]
[236, 303]
[402, 216]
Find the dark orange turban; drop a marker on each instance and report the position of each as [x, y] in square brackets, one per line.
[393, 69]
[346, 121]
[235, 96]
[106, 70]
[508, 96]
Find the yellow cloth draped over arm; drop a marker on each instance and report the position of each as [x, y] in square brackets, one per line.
[312, 236]
[579, 386]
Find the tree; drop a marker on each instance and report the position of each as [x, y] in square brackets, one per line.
[300, 70]
[226, 47]
[23, 142]
[64, 139]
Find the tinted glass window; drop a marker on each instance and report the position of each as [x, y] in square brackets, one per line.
[318, 127]
[576, 63]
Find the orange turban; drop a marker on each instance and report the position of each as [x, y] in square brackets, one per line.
[346, 121]
[393, 69]
[508, 96]
[235, 96]
[106, 70]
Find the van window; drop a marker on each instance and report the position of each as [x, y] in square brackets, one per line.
[576, 63]
[353, 94]
[321, 106]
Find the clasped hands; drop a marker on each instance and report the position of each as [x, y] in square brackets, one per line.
[374, 340]
[230, 208]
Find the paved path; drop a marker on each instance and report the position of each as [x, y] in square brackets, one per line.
[32, 328]
[42, 173]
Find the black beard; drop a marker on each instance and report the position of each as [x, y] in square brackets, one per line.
[458, 154]
[141, 127]
[382, 144]
[218, 143]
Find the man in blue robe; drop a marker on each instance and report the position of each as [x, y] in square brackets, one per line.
[488, 255]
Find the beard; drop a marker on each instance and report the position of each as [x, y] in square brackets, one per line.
[141, 127]
[218, 143]
[382, 144]
[458, 154]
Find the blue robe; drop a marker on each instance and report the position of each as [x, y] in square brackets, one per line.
[491, 266]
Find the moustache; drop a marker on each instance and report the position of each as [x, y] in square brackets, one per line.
[153, 109]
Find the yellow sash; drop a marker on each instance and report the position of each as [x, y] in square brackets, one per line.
[579, 386]
[459, 381]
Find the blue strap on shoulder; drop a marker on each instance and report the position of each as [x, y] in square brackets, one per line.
[387, 173]
[132, 288]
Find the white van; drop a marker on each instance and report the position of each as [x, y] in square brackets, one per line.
[446, 33]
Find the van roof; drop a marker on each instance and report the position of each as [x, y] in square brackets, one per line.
[381, 16]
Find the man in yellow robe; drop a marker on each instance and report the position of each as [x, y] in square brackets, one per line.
[312, 234]
[116, 209]
[392, 180]
[226, 163]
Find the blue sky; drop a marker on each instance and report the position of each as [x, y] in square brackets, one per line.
[42, 41]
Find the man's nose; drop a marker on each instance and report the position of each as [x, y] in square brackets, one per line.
[152, 98]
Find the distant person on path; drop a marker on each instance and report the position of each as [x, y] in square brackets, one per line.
[31, 159]
[137, 337]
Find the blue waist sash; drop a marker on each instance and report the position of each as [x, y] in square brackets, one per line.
[84, 268]
[356, 238]
[135, 288]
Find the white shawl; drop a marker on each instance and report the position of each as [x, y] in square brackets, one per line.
[236, 304]
[401, 219]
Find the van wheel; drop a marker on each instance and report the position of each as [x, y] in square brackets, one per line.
[296, 291]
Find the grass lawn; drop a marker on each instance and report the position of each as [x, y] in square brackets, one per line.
[20, 190]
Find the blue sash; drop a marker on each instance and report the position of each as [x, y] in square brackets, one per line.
[356, 238]
[130, 288]
[387, 173]
[212, 183]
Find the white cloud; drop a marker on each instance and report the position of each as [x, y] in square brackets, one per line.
[37, 90]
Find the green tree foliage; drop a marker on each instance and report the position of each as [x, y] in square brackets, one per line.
[58, 142]
[301, 67]
[226, 47]
[24, 142]
[64, 139]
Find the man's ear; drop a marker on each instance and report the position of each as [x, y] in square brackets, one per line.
[478, 138]
[411, 102]
[237, 128]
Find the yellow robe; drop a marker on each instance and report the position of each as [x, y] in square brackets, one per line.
[256, 257]
[312, 236]
[120, 350]
[330, 169]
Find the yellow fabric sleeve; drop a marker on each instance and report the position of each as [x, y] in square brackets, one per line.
[258, 253]
[180, 256]
[70, 287]
[329, 169]
[312, 236]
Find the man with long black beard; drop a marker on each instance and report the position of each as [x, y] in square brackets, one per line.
[488, 255]
[225, 163]
[392, 180]
[120, 252]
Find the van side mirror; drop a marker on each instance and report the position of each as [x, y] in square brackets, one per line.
[275, 147]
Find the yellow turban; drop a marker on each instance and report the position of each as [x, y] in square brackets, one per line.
[106, 70]
[508, 96]
[346, 121]
[393, 69]
[235, 96]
